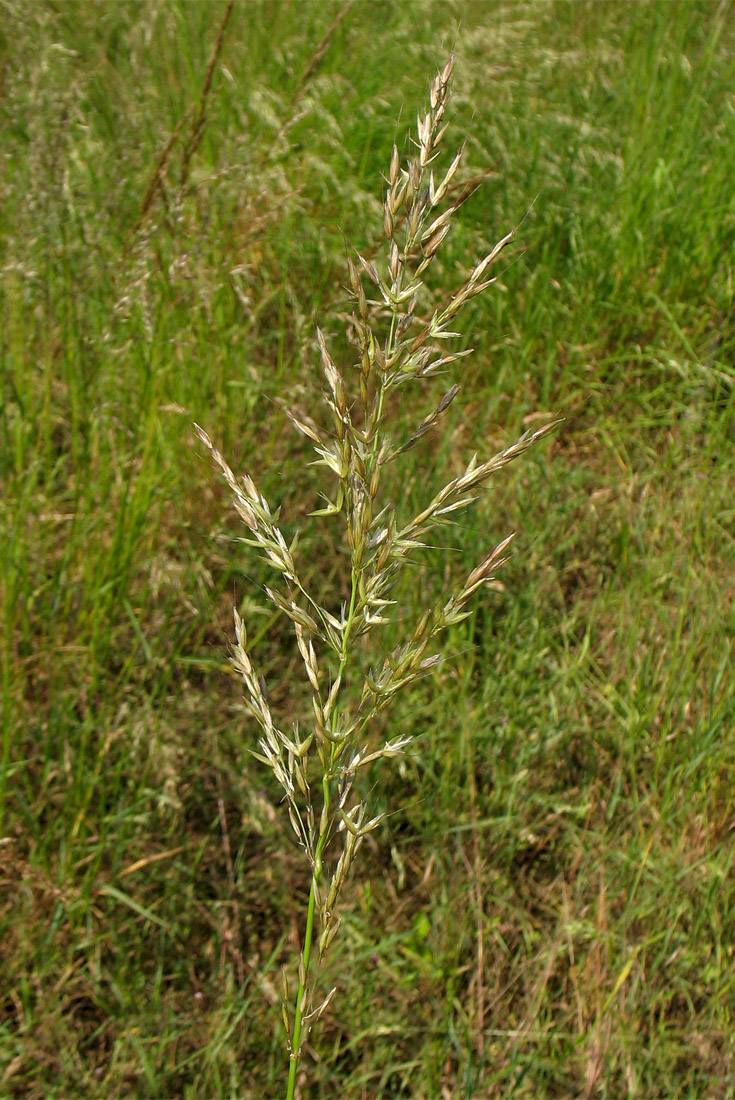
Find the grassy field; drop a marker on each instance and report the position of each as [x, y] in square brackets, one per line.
[549, 908]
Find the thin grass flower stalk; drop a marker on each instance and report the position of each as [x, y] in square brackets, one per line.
[316, 762]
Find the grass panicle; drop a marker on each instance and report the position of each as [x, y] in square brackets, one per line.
[317, 761]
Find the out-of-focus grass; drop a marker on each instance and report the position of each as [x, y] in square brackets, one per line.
[551, 911]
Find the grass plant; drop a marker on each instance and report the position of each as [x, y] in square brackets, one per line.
[554, 903]
[397, 343]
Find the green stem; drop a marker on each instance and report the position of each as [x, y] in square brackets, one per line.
[317, 873]
[308, 937]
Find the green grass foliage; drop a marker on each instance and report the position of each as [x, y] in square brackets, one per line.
[548, 908]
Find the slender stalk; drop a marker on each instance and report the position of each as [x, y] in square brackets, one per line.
[318, 868]
[306, 956]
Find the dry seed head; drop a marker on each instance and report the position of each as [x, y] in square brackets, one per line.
[403, 325]
[377, 354]
[301, 780]
[413, 221]
[436, 91]
[484, 264]
[315, 1014]
[308, 655]
[438, 137]
[243, 505]
[318, 716]
[348, 821]
[394, 261]
[395, 164]
[438, 223]
[295, 823]
[396, 747]
[493, 559]
[241, 636]
[304, 747]
[420, 628]
[370, 268]
[327, 1001]
[361, 332]
[431, 246]
[333, 376]
[302, 422]
[332, 698]
[371, 824]
[357, 290]
[423, 129]
[420, 339]
[282, 778]
[327, 936]
[332, 895]
[397, 196]
[441, 190]
[387, 220]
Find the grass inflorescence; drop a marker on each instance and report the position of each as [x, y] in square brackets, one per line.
[396, 345]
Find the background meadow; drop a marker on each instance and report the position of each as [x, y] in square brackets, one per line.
[549, 908]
